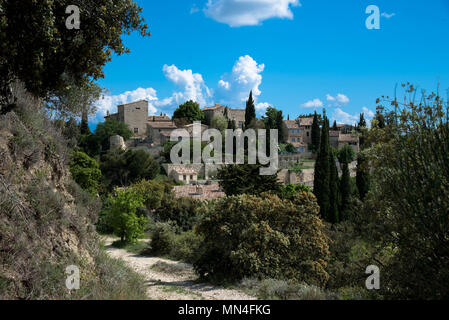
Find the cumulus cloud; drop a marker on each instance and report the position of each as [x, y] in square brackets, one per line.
[388, 15]
[339, 99]
[237, 13]
[110, 102]
[315, 103]
[233, 89]
[191, 84]
[343, 117]
[368, 113]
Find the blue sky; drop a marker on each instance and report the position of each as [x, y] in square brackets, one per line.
[297, 56]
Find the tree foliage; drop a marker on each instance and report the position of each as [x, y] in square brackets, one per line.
[189, 111]
[86, 172]
[38, 49]
[316, 134]
[109, 128]
[246, 179]
[250, 111]
[121, 214]
[264, 237]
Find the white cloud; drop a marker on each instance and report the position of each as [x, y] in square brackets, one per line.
[388, 15]
[339, 99]
[261, 108]
[315, 103]
[233, 90]
[368, 113]
[110, 102]
[343, 117]
[237, 13]
[191, 84]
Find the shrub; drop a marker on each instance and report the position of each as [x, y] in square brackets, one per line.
[86, 172]
[185, 246]
[264, 237]
[185, 212]
[121, 215]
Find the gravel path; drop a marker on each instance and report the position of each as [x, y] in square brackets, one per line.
[169, 285]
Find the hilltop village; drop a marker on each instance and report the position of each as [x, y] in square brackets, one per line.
[152, 132]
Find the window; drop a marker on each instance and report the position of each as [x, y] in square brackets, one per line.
[240, 124]
[292, 131]
[136, 130]
[308, 133]
[184, 177]
[191, 177]
[298, 131]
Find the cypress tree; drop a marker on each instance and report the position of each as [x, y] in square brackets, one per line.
[334, 126]
[345, 189]
[250, 112]
[333, 187]
[362, 177]
[322, 171]
[315, 133]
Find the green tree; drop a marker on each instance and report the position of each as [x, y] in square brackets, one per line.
[185, 212]
[334, 189]
[264, 237]
[322, 171]
[362, 176]
[40, 51]
[121, 215]
[334, 126]
[219, 122]
[122, 168]
[86, 172]
[316, 135]
[345, 156]
[410, 197]
[109, 128]
[189, 111]
[246, 178]
[250, 111]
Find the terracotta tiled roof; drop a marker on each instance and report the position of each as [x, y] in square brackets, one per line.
[161, 125]
[334, 133]
[200, 192]
[181, 170]
[348, 138]
[306, 121]
[159, 118]
[217, 106]
[291, 124]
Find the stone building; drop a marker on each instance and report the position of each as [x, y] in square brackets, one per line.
[184, 174]
[237, 115]
[337, 140]
[299, 133]
[135, 115]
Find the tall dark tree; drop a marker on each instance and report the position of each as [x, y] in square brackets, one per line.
[362, 121]
[362, 177]
[334, 126]
[250, 112]
[345, 156]
[333, 187]
[322, 171]
[315, 133]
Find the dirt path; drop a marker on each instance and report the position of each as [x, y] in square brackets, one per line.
[171, 280]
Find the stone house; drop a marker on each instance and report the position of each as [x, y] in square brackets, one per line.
[135, 115]
[299, 133]
[237, 115]
[184, 174]
[337, 140]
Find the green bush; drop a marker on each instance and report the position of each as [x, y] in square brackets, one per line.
[185, 212]
[121, 215]
[85, 171]
[184, 246]
[264, 237]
